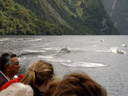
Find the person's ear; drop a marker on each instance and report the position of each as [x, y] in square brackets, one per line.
[7, 67]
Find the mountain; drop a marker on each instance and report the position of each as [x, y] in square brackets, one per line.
[117, 10]
[54, 17]
[17, 20]
[73, 16]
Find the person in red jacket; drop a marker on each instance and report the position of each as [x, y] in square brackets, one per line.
[9, 67]
[11, 82]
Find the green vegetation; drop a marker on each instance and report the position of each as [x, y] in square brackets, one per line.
[85, 16]
[54, 17]
[17, 20]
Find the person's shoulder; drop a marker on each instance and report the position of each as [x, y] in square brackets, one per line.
[3, 80]
[4, 86]
[17, 89]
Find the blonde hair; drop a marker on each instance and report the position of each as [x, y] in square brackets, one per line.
[38, 73]
[17, 89]
[79, 84]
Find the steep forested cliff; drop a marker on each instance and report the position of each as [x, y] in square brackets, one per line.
[57, 17]
[118, 11]
[17, 20]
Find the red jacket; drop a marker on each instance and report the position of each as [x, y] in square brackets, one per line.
[12, 81]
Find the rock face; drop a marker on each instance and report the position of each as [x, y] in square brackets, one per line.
[73, 16]
[118, 12]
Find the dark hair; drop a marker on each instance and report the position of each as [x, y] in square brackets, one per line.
[5, 59]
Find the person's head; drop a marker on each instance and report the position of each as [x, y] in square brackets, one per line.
[17, 89]
[9, 63]
[79, 84]
[38, 74]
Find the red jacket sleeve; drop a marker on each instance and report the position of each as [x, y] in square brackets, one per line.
[11, 82]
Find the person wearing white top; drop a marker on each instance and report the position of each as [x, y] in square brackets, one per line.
[17, 89]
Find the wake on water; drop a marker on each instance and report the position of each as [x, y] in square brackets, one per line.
[62, 51]
[70, 63]
[114, 50]
[84, 64]
[117, 50]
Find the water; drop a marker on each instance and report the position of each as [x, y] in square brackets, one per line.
[104, 58]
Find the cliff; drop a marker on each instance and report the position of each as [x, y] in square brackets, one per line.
[51, 17]
[117, 10]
